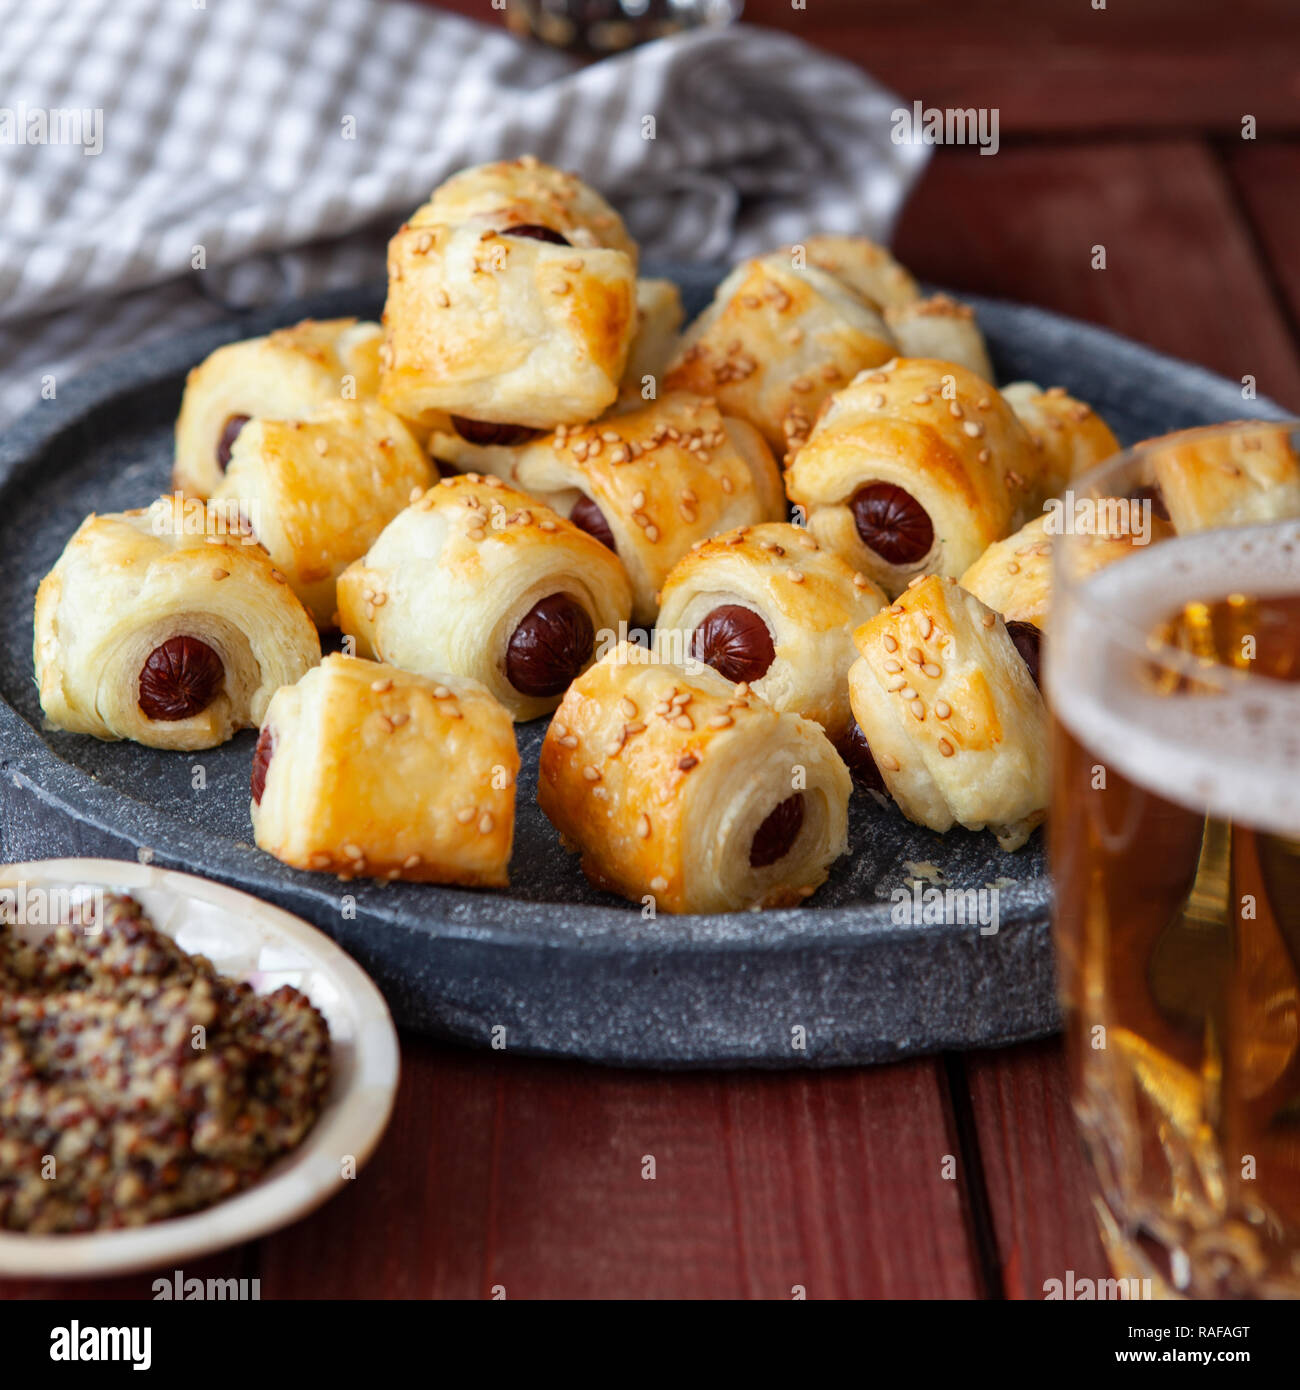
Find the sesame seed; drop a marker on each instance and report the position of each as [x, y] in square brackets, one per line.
[794, 576]
[721, 721]
[918, 709]
[908, 693]
[569, 741]
[485, 823]
[889, 762]
[927, 627]
[983, 456]
[932, 670]
[591, 773]
[973, 428]
[922, 399]
[652, 534]
[891, 642]
[989, 619]
[942, 709]
[353, 852]
[896, 683]
[643, 827]
[219, 575]
[684, 764]
[381, 687]
[411, 861]
[946, 748]
[892, 665]
[955, 410]
[913, 582]
[627, 706]
[915, 656]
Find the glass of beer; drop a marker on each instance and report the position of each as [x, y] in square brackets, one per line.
[1173, 674]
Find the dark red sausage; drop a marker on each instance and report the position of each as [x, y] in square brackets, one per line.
[588, 517]
[735, 641]
[775, 838]
[893, 523]
[179, 679]
[551, 645]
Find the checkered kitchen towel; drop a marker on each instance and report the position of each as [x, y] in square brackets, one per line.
[286, 138]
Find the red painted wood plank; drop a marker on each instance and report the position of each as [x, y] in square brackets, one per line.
[1037, 1177]
[1062, 67]
[1267, 178]
[1181, 272]
[528, 1175]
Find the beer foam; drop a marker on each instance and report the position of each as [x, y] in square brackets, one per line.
[1234, 754]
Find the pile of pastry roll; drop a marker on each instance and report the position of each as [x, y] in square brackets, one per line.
[524, 461]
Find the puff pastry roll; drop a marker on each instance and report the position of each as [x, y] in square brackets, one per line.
[658, 326]
[284, 375]
[768, 607]
[510, 305]
[477, 579]
[161, 626]
[525, 193]
[1014, 576]
[650, 483]
[775, 343]
[1201, 481]
[948, 710]
[865, 267]
[943, 328]
[689, 790]
[1069, 435]
[917, 467]
[317, 491]
[362, 769]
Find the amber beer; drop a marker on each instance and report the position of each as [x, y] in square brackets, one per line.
[1175, 838]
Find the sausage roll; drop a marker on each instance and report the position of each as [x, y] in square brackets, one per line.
[362, 769]
[1014, 576]
[318, 490]
[775, 343]
[529, 197]
[689, 790]
[949, 712]
[866, 268]
[511, 304]
[477, 579]
[650, 483]
[1203, 481]
[767, 606]
[658, 326]
[284, 376]
[162, 626]
[1069, 435]
[942, 328]
[917, 467]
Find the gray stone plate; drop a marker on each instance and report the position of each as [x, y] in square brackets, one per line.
[562, 968]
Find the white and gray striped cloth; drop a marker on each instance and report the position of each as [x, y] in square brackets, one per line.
[286, 138]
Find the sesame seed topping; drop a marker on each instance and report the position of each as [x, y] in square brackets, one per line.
[591, 773]
[927, 627]
[942, 709]
[381, 687]
[989, 619]
[892, 665]
[946, 748]
[918, 709]
[915, 656]
[896, 683]
[889, 762]
[643, 827]
[485, 823]
[685, 763]
[794, 576]
[932, 670]
[627, 706]
[721, 721]
[891, 642]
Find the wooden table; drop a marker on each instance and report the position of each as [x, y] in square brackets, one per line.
[1118, 126]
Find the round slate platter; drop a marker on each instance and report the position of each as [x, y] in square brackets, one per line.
[560, 967]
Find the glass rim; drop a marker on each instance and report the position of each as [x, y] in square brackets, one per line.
[1095, 484]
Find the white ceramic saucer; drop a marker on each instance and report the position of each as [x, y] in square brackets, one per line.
[250, 940]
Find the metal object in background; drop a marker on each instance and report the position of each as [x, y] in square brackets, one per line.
[597, 27]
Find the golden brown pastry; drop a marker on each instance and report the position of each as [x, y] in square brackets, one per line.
[917, 467]
[942, 328]
[767, 606]
[160, 625]
[690, 792]
[1014, 576]
[1245, 479]
[865, 267]
[774, 344]
[511, 304]
[477, 579]
[362, 769]
[317, 491]
[648, 483]
[514, 193]
[658, 327]
[1070, 435]
[285, 376]
[949, 711]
